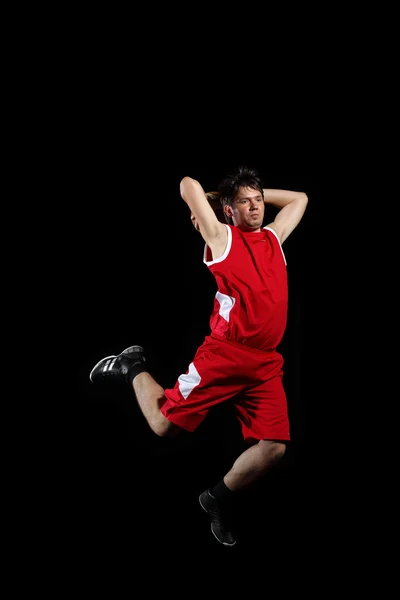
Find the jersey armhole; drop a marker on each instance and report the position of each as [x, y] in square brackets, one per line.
[279, 242]
[226, 252]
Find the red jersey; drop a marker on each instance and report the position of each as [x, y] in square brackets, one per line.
[250, 306]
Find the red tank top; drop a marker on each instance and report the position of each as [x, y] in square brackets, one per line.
[250, 306]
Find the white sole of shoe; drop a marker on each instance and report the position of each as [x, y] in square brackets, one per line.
[132, 349]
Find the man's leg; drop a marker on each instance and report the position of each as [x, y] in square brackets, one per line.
[150, 397]
[252, 464]
[130, 367]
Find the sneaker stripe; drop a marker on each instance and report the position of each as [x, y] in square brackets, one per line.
[106, 365]
[97, 365]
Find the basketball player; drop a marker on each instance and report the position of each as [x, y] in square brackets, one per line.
[239, 359]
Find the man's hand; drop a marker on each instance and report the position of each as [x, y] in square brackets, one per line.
[194, 222]
[214, 200]
[215, 203]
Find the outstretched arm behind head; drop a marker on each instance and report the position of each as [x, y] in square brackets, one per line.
[202, 214]
[292, 206]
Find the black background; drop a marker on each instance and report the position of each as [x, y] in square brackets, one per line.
[136, 276]
[127, 116]
[141, 280]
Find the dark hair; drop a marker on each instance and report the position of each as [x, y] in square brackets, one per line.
[230, 185]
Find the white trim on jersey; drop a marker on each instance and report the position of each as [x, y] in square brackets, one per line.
[280, 245]
[226, 303]
[225, 254]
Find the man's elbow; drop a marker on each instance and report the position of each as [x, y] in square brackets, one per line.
[302, 200]
[187, 186]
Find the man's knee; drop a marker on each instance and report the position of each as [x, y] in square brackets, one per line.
[279, 450]
[165, 428]
[273, 451]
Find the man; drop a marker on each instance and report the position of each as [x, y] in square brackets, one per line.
[239, 359]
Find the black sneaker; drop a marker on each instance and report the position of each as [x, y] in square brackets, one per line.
[220, 521]
[117, 367]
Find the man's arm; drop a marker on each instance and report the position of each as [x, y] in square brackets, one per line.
[292, 206]
[202, 213]
[215, 203]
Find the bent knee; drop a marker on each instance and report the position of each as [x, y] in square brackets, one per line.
[273, 450]
[279, 450]
[164, 428]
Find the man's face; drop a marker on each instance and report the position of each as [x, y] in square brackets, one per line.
[247, 211]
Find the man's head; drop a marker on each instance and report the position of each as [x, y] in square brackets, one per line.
[242, 199]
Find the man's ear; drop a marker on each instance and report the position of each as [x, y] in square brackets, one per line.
[228, 210]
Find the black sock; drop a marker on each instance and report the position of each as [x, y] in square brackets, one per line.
[135, 370]
[222, 493]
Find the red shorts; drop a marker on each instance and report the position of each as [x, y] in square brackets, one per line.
[222, 371]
